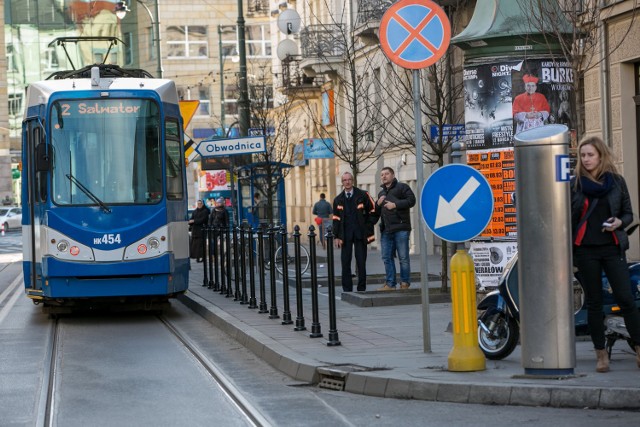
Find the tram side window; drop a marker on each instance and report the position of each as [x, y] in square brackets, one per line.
[42, 171]
[153, 159]
[174, 161]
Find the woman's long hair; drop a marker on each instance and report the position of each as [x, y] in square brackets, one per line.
[606, 160]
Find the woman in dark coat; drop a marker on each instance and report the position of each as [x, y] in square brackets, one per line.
[198, 221]
[219, 216]
[600, 211]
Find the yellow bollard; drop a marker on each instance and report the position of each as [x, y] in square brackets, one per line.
[465, 354]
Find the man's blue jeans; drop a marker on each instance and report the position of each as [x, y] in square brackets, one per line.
[392, 243]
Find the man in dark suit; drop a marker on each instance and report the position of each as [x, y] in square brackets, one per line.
[354, 217]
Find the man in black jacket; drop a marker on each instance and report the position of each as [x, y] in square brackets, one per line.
[394, 203]
[353, 221]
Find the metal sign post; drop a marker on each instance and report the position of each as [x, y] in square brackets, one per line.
[415, 34]
[457, 204]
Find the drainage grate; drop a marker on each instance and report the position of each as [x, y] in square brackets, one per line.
[332, 383]
[334, 377]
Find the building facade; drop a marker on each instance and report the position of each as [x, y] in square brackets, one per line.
[335, 85]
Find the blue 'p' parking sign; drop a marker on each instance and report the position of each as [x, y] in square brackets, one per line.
[563, 168]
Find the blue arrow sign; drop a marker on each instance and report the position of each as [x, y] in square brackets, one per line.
[456, 203]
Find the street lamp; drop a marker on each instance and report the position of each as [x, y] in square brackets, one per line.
[243, 102]
[121, 10]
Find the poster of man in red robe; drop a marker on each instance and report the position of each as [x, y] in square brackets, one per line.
[530, 109]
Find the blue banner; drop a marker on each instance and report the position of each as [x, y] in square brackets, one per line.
[454, 132]
[318, 148]
[298, 155]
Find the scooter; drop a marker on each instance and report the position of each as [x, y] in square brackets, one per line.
[499, 319]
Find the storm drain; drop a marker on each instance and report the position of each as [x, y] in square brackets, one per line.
[334, 377]
[332, 383]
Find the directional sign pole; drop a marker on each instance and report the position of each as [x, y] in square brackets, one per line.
[415, 34]
[422, 242]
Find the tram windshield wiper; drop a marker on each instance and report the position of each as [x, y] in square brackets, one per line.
[89, 194]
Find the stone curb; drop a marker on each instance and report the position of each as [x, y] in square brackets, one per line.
[261, 345]
[381, 384]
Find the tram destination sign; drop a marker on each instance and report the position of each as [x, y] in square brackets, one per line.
[231, 147]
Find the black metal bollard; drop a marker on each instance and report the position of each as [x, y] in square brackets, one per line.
[286, 310]
[205, 274]
[316, 330]
[240, 272]
[299, 315]
[261, 274]
[333, 331]
[229, 265]
[273, 311]
[222, 259]
[236, 265]
[252, 269]
[242, 278]
[213, 259]
[245, 241]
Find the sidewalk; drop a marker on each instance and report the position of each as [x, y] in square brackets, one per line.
[382, 351]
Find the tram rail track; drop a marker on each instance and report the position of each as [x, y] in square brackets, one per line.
[48, 399]
[244, 406]
[46, 408]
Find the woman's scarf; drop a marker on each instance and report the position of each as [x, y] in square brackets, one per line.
[593, 189]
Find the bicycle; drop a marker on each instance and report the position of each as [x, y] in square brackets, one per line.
[305, 260]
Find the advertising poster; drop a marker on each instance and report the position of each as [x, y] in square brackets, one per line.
[501, 100]
[543, 94]
[214, 180]
[487, 106]
[490, 259]
[499, 169]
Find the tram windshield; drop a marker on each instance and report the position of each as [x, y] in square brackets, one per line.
[111, 147]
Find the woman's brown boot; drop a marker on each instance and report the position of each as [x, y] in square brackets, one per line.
[638, 355]
[602, 365]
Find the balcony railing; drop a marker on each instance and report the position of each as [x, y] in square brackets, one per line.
[294, 78]
[257, 7]
[322, 41]
[372, 10]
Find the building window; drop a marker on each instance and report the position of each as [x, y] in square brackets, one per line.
[51, 62]
[151, 44]
[258, 40]
[187, 41]
[229, 40]
[204, 109]
[128, 53]
[12, 58]
[15, 104]
[261, 96]
[231, 95]
[24, 12]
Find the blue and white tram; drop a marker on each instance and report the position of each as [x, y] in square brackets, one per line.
[104, 189]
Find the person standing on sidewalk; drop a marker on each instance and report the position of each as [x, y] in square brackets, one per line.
[322, 210]
[353, 221]
[219, 216]
[199, 220]
[393, 207]
[600, 211]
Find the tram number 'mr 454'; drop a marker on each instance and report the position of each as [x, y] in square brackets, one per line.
[107, 239]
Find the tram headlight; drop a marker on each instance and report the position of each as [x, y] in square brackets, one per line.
[62, 246]
[153, 243]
